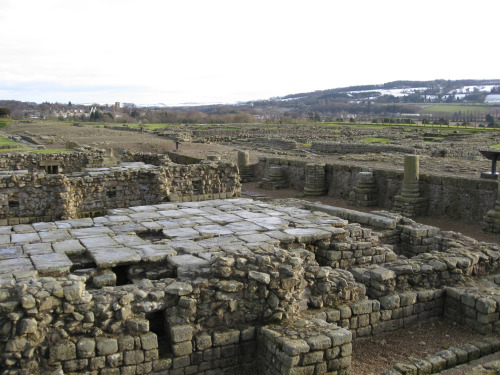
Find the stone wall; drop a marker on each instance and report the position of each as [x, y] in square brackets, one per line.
[358, 148]
[26, 197]
[458, 198]
[222, 286]
[68, 162]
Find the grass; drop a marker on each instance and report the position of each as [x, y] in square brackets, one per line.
[6, 141]
[3, 125]
[452, 108]
[377, 140]
[495, 147]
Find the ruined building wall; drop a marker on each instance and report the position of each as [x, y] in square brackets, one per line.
[69, 162]
[43, 197]
[358, 148]
[459, 198]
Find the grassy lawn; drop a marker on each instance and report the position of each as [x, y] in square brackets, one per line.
[6, 141]
[495, 147]
[452, 108]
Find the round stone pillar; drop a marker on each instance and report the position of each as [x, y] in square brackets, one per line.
[315, 180]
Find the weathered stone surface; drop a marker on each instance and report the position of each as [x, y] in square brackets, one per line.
[188, 261]
[112, 257]
[179, 288]
[53, 262]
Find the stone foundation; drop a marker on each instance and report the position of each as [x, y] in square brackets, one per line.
[224, 286]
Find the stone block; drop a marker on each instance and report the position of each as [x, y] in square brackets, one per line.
[319, 342]
[149, 341]
[226, 337]
[85, 348]
[106, 346]
[63, 351]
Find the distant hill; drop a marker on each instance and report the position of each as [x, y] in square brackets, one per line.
[455, 100]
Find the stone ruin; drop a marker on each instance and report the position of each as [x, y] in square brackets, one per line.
[186, 285]
[233, 286]
[86, 183]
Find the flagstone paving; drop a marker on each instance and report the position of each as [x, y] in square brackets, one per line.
[187, 235]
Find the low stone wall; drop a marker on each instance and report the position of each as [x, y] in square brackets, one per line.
[183, 159]
[359, 148]
[67, 162]
[26, 197]
[387, 314]
[321, 348]
[147, 158]
[429, 270]
[458, 198]
[476, 308]
[275, 142]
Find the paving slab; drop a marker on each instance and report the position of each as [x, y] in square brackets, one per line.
[186, 233]
[209, 243]
[49, 263]
[68, 247]
[143, 208]
[97, 242]
[119, 219]
[90, 232]
[255, 238]
[191, 211]
[128, 227]
[165, 206]
[187, 246]
[155, 253]
[215, 230]
[128, 240]
[308, 234]
[74, 223]
[271, 223]
[173, 213]
[37, 248]
[188, 261]
[8, 266]
[224, 218]
[23, 228]
[243, 226]
[44, 226]
[11, 252]
[107, 258]
[21, 238]
[249, 214]
[281, 236]
[55, 235]
[145, 215]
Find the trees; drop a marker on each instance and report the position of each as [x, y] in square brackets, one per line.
[4, 112]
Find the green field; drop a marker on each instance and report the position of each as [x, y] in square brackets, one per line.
[6, 141]
[454, 108]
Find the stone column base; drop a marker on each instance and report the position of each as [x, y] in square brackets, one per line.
[409, 206]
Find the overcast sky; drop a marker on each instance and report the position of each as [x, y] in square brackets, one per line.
[163, 51]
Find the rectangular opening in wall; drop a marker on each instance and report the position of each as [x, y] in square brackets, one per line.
[121, 273]
[13, 202]
[111, 193]
[158, 325]
[197, 187]
[52, 169]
